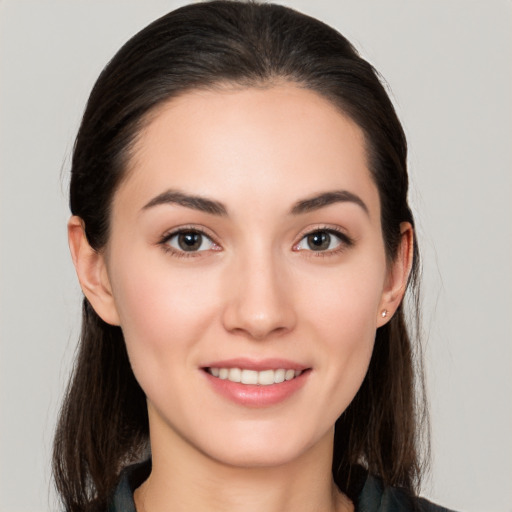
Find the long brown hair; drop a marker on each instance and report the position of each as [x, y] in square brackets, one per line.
[103, 423]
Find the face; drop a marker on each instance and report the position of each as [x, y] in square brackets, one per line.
[246, 245]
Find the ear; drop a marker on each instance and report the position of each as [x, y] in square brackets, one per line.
[92, 272]
[398, 275]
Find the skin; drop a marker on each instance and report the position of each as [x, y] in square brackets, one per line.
[257, 290]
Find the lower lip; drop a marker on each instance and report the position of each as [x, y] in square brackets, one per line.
[257, 396]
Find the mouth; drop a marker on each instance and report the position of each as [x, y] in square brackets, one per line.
[254, 377]
[256, 383]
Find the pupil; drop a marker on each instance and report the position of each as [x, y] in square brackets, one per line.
[190, 241]
[319, 241]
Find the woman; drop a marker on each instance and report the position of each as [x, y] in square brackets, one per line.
[242, 236]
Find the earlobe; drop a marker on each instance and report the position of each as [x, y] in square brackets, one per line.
[398, 275]
[92, 272]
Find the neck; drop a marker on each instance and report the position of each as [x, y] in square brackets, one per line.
[184, 479]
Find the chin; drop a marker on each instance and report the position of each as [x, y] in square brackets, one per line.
[251, 459]
[262, 451]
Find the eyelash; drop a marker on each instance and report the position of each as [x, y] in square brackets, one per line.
[164, 241]
[345, 242]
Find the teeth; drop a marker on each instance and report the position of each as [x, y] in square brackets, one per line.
[279, 376]
[263, 378]
[235, 375]
[249, 377]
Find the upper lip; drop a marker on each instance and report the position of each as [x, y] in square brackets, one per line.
[257, 364]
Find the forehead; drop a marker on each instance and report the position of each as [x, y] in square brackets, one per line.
[272, 145]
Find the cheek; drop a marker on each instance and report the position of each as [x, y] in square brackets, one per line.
[163, 312]
[345, 303]
[347, 324]
[343, 315]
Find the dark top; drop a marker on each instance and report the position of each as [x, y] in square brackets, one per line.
[368, 494]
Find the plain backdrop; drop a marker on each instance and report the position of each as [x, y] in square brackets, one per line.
[448, 64]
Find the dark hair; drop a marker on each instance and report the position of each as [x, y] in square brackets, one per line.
[103, 424]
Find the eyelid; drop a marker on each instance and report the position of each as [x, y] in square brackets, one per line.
[346, 241]
[168, 235]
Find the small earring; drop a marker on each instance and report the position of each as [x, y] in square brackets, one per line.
[384, 313]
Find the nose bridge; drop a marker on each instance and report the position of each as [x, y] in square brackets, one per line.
[259, 299]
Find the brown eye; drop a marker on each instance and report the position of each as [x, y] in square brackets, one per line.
[190, 241]
[319, 241]
[323, 240]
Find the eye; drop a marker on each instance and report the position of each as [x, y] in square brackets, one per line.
[189, 241]
[323, 240]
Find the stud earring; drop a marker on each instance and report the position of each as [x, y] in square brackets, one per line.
[384, 313]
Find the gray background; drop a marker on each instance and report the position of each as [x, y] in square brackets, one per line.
[449, 66]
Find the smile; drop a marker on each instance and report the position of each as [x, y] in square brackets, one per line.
[253, 377]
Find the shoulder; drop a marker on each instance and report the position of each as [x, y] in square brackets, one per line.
[375, 497]
[130, 479]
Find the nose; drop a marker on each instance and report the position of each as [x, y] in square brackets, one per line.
[260, 300]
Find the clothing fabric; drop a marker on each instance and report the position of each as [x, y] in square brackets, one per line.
[371, 496]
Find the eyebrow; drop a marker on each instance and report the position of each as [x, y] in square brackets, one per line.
[217, 208]
[326, 199]
[199, 203]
